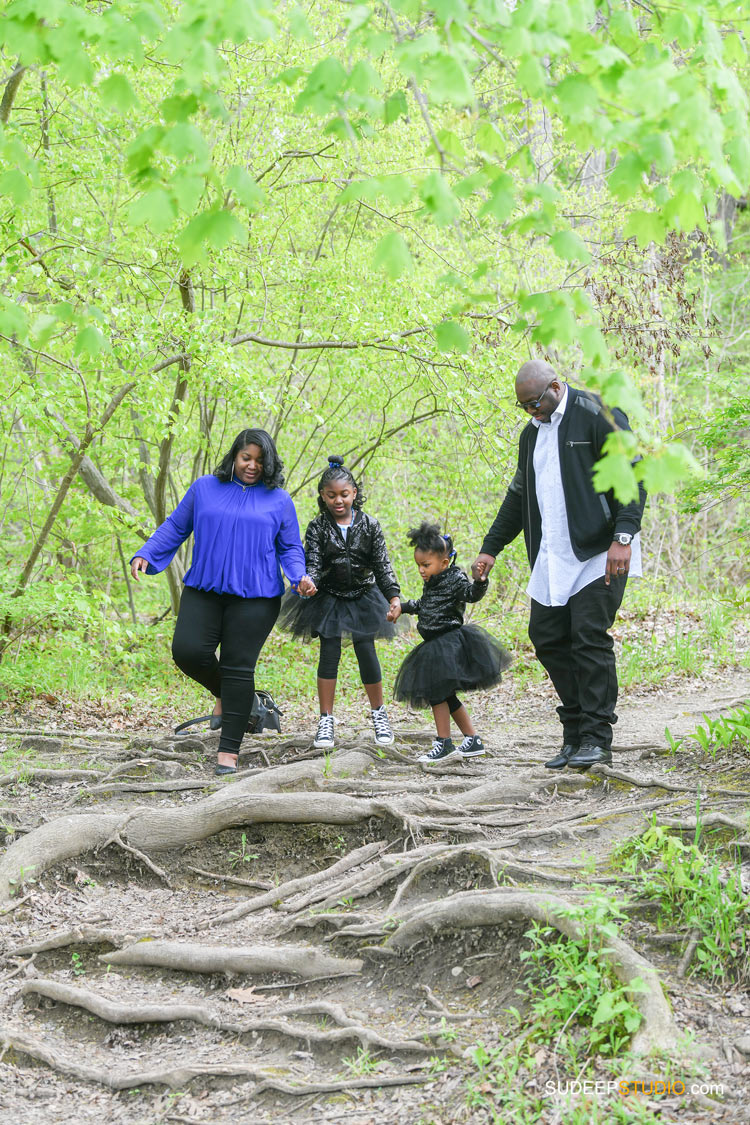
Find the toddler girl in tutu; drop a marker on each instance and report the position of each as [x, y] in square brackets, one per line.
[453, 656]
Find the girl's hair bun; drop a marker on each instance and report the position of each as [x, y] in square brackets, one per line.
[335, 461]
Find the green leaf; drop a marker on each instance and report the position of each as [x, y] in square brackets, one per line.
[451, 337]
[532, 77]
[626, 178]
[90, 341]
[392, 255]
[448, 80]
[490, 140]
[364, 78]
[155, 208]
[439, 200]
[13, 320]
[184, 141]
[300, 27]
[667, 467]
[658, 149]
[187, 187]
[14, 184]
[288, 77]
[245, 188]
[502, 198]
[394, 107]
[577, 98]
[212, 228]
[117, 93]
[569, 246]
[646, 227]
[323, 85]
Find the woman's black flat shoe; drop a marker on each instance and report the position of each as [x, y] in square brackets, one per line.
[214, 722]
[221, 771]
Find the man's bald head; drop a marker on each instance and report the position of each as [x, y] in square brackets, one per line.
[537, 380]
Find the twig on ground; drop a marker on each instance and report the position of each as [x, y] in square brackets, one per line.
[687, 957]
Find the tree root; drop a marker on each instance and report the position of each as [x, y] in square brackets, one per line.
[179, 1076]
[463, 911]
[179, 785]
[276, 895]
[81, 935]
[188, 957]
[707, 820]
[119, 1013]
[256, 884]
[43, 775]
[252, 801]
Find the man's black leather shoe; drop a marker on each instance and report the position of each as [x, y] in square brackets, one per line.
[562, 758]
[589, 756]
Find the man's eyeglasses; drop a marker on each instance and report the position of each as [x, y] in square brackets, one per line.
[533, 404]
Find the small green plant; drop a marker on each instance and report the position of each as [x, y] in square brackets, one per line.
[576, 1002]
[673, 743]
[348, 901]
[76, 963]
[437, 1065]
[243, 855]
[327, 764]
[448, 1033]
[725, 731]
[694, 890]
[363, 1063]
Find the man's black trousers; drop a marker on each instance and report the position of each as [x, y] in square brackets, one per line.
[573, 643]
[240, 626]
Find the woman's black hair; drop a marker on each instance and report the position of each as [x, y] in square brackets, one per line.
[273, 466]
[428, 537]
[337, 470]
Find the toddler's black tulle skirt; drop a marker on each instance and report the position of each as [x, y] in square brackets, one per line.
[325, 615]
[463, 659]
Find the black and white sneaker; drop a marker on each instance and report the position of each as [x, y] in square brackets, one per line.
[381, 726]
[324, 739]
[442, 750]
[472, 747]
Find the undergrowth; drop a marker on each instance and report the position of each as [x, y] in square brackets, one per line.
[696, 889]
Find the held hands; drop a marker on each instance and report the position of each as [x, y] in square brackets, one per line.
[394, 610]
[618, 562]
[481, 567]
[137, 565]
[306, 587]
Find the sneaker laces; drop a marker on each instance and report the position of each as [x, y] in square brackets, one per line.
[380, 723]
[437, 748]
[325, 727]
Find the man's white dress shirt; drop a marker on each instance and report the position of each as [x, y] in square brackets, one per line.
[557, 573]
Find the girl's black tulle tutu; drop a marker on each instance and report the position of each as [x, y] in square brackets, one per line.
[325, 615]
[462, 659]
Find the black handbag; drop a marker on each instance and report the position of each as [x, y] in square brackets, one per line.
[264, 715]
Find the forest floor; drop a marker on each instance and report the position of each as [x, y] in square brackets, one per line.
[327, 937]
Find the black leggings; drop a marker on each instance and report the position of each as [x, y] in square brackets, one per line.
[453, 703]
[241, 626]
[364, 650]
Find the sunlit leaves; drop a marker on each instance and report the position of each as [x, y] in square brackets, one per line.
[249, 193]
[392, 255]
[451, 337]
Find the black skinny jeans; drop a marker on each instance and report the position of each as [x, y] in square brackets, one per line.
[364, 650]
[240, 626]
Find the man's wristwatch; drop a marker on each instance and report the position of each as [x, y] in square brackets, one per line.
[623, 538]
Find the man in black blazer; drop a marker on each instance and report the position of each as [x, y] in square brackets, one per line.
[582, 545]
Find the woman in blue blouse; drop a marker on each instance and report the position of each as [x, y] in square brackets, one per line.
[245, 529]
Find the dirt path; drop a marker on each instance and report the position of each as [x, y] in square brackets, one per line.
[327, 937]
